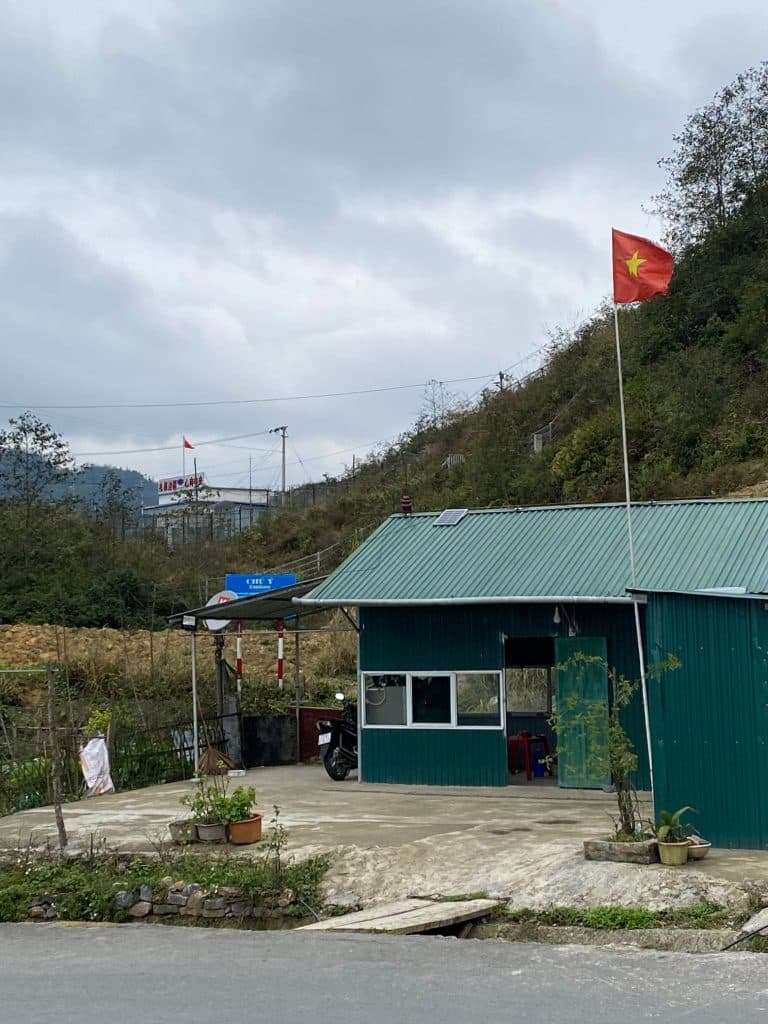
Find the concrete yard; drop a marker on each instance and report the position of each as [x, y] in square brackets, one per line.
[521, 843]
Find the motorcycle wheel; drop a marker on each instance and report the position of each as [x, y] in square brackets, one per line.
[336, 766]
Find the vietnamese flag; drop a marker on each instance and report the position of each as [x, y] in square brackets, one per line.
[187, 444]
[641, 268]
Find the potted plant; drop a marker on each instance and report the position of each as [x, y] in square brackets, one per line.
[672, 836]
[243, 824]
[610, 753]
[205, 804]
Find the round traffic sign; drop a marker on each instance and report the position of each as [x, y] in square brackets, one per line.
[223, 597]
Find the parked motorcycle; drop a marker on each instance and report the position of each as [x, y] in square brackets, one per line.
[337, 742]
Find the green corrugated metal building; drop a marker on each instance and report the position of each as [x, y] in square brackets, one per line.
[709, 717]
[463, 625]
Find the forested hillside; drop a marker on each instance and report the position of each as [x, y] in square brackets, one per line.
[696, 373]
[695, 367]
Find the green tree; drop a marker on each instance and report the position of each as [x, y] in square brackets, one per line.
[33, 458]
[720, 159]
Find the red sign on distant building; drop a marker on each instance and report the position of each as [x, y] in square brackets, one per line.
[172, 484]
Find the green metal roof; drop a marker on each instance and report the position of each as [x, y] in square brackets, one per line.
[575, 552]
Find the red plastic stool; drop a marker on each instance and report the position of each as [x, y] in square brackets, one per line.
[527, 743]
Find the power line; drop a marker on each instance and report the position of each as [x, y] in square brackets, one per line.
[168, 447]
[236, 401]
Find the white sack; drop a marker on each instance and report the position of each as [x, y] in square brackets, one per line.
[94, 761]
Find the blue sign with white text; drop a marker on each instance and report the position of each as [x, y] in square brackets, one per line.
[249, 584]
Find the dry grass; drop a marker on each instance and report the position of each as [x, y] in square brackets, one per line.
[107, 663]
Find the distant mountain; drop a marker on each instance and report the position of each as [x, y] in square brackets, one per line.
[86, 483]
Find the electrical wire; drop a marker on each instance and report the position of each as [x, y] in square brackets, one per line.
[295, 452]
[239, 401]
[169, 447]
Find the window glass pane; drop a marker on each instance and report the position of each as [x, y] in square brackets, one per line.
[384, 699]
[477, 698]
[431, 699]
[527, 690]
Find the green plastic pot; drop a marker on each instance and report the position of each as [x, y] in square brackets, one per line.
[674, 854]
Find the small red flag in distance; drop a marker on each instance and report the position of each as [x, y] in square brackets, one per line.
[188, 444]
[641, 268]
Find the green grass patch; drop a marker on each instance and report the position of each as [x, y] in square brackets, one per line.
[700, 915]
[616, 918]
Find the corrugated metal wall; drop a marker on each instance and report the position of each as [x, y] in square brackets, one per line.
[455, 638]
[435, 757]
[709, 718]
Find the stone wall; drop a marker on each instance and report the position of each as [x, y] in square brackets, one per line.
[193, 902]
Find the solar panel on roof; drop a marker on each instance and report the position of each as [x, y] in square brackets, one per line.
[450, 517]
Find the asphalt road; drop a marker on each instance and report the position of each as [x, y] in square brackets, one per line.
[164, 974]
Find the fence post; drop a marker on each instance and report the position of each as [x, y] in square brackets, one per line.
[297, 666]
[50, 673]
[195, 734]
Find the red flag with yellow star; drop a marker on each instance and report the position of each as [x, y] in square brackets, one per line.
[640, 268]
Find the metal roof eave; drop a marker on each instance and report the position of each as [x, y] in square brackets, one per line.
[731, 593]
[424, 602]
[274, 604]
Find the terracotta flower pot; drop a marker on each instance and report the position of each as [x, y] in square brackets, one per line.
[674, 854]
[241, 833]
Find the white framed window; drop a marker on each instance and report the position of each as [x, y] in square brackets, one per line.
[433, 700]
[385, 701]
[478, 699]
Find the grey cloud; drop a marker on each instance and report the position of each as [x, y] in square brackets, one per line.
[76, 327]
[292, 113]
[281, 105]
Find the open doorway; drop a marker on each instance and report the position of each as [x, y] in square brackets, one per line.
[529, 664]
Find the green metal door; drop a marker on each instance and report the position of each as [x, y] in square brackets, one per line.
[581, 689]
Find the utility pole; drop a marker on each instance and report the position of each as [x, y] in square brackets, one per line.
[281, 430]
[197, 503]
[433, 401]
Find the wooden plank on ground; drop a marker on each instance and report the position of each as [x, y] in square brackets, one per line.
[406, 917]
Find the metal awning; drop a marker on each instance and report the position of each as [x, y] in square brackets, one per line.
[272, 606]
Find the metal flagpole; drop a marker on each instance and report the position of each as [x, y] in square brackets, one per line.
[183, 459]
[630, 537]
[624, 447]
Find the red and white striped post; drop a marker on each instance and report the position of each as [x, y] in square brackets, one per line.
[239, 659]
[280, 653]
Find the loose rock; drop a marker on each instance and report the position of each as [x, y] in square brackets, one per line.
[123, 900]
[140, 909]
[756, 923]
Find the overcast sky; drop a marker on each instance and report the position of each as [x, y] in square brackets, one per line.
[217, 202]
